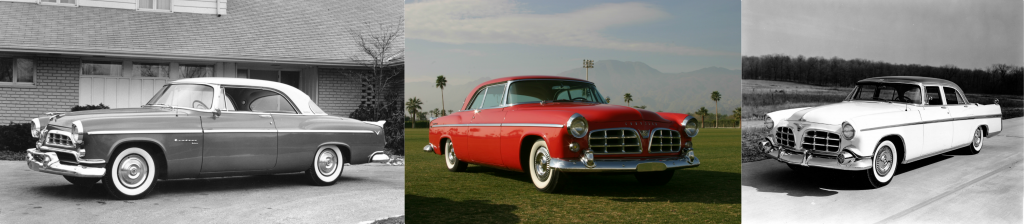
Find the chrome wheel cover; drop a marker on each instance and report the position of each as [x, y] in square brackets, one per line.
[883, 161]
[132, 171]
[327, 161]
[540, 164]
[977, 139]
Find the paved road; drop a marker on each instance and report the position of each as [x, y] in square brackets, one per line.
[365, 193]
[955, 188]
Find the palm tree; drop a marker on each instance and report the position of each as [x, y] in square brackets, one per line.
[441, 82]
[702, 112]
[628, 98]
[716, 97]
[413, 106]
[737, 115]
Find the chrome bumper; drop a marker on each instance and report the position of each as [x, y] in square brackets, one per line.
[811, 159]
[624, 165]
[47, 162]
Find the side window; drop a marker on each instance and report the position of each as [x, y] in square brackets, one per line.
[492, 97]
[952, 97]
[257, 100]
[933, 95]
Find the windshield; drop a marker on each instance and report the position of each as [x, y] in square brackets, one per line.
[184, 95]
[887, 92]
[552, 90]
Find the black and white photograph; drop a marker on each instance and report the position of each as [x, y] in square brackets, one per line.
[882, 111]
[201, 111]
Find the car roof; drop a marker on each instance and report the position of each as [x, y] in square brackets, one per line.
[298, 97]
[911, 79]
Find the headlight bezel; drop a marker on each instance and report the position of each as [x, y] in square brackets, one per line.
[843, 131]
[572, 120]
[687, 129]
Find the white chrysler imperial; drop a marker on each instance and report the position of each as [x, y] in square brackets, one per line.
[883, 122]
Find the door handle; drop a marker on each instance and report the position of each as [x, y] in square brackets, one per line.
[265, 115]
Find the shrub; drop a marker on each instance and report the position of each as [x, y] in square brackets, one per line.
[16, 137]
[89, 107]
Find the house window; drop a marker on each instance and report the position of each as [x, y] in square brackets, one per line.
[104, 68]
[58, 2]
[195, 71]
[17, 71]
[155, 4]
[151, 70]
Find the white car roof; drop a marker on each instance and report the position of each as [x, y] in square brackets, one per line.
[298, 97]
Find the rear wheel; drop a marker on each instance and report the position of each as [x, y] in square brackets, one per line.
[545, 178]
[450, 160]
[327, 166]
[131, 175]
[655, 178]
[883, 165]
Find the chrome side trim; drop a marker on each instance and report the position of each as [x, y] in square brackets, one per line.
[180, 131]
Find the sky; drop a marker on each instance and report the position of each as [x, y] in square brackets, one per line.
[465, 40]
[966, 34]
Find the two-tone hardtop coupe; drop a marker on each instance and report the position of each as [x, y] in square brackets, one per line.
[202, 127]
[883, 122]
[549, 125]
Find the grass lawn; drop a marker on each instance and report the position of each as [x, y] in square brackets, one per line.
[709, 193]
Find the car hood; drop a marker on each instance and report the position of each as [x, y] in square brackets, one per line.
[838, 112]
[597, 112]
[65, 121]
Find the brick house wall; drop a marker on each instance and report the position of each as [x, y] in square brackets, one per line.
[55, 90]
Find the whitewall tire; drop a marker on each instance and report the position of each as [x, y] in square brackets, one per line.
[450, 160]
[328, 163]
[545, 178]
[883, 165]
[131, 175]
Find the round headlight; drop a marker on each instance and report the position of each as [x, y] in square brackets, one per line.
[768, 123]
[848, 131]
[690, 127]
[577, 126]
[35, 127]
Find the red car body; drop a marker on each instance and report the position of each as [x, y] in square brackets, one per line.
[501, 137]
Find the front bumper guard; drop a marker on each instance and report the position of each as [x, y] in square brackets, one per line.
[47, 162]
[624, 165]
[808, 158]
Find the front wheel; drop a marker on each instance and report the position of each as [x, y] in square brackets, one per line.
[131, 175]
[883, 165]
[545, 178]
[655, 178]
[327, 166]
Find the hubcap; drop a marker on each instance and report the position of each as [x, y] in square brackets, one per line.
[328, 160]
[132, 171]
[883, 161]
[977, 138]
[540, 164]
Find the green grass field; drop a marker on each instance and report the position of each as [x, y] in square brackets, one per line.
[706, 194]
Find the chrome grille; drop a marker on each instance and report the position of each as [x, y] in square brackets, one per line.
[615, 141]
[785, 136]
[820, 140]
[59, 139]
[663, 140]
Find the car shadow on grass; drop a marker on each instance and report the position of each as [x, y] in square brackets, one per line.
[443, 210]
[202, 186]
[687, 185]
[818, 182]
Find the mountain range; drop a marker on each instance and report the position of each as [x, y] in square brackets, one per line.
[670, 92]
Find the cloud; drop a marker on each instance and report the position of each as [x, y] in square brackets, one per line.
[503, 21]
[467, 52]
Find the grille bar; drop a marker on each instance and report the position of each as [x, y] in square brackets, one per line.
[665, 141]
[821, 141]
[615, 141]
[785, 136]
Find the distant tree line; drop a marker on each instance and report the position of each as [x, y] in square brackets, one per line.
[996, 79]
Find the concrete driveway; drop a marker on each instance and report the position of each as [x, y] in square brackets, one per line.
[953, 188]
[364, 193]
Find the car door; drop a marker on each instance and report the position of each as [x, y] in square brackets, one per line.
[936, 124]
[960, 111]
[239, 139]
[485, 128]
